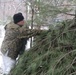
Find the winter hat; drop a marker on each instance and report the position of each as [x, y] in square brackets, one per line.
[18, 17]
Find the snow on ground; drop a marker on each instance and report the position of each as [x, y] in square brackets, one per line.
[2, 32]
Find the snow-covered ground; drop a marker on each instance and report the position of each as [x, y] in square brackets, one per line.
[2, 33]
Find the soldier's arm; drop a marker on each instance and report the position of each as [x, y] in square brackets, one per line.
[27, 33]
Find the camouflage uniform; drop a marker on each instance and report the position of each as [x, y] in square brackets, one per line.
[12, 43]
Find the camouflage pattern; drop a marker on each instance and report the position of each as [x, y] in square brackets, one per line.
[12, 43]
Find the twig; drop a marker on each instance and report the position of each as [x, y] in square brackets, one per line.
[70, 65]
[61, 59]
[73, 73]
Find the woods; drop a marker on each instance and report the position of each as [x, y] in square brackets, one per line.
[54, 50]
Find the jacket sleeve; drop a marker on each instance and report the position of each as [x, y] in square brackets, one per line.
[27, 33]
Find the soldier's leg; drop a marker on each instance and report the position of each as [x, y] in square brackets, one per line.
[8, 64]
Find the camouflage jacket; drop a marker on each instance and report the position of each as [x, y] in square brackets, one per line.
[12, 41]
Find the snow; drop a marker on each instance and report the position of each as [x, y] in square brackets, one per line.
[2, 32]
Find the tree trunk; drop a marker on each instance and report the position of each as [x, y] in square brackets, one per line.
[31, 42]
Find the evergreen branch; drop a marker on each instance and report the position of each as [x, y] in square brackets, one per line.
[73, 73]
[70, 65]
[61, 59]
[70, 14]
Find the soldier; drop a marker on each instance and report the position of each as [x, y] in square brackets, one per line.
[13, 42]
